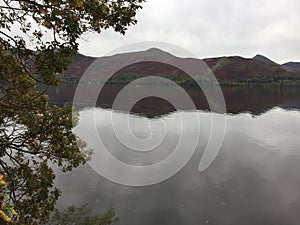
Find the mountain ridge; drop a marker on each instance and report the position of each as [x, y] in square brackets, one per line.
[292, 66]
[227, 69]
[264, 59]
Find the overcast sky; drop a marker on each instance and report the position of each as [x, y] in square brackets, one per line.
[211, 28]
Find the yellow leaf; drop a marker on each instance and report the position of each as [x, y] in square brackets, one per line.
[42, 10]
[47, 24]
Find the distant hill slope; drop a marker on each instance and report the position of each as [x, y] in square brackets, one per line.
[237, 68]
[292, 66]
[226, 69]
[79, 64]
[264, 59]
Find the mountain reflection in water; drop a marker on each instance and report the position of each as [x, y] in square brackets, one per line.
[255, 100]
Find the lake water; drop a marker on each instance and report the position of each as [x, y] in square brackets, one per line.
[254, 179]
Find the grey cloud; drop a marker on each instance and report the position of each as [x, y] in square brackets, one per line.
[213, 28]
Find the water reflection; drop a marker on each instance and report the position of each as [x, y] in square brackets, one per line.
[254, 179]
[256, 100]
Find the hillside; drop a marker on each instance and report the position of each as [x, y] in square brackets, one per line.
[230, 70]
[264, 59]
[292, 66]
[79, 64]
[241, 69]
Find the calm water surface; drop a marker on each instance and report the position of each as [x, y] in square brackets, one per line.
[254, 180]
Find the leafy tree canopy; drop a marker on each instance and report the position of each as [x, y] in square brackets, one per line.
[37, 42]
